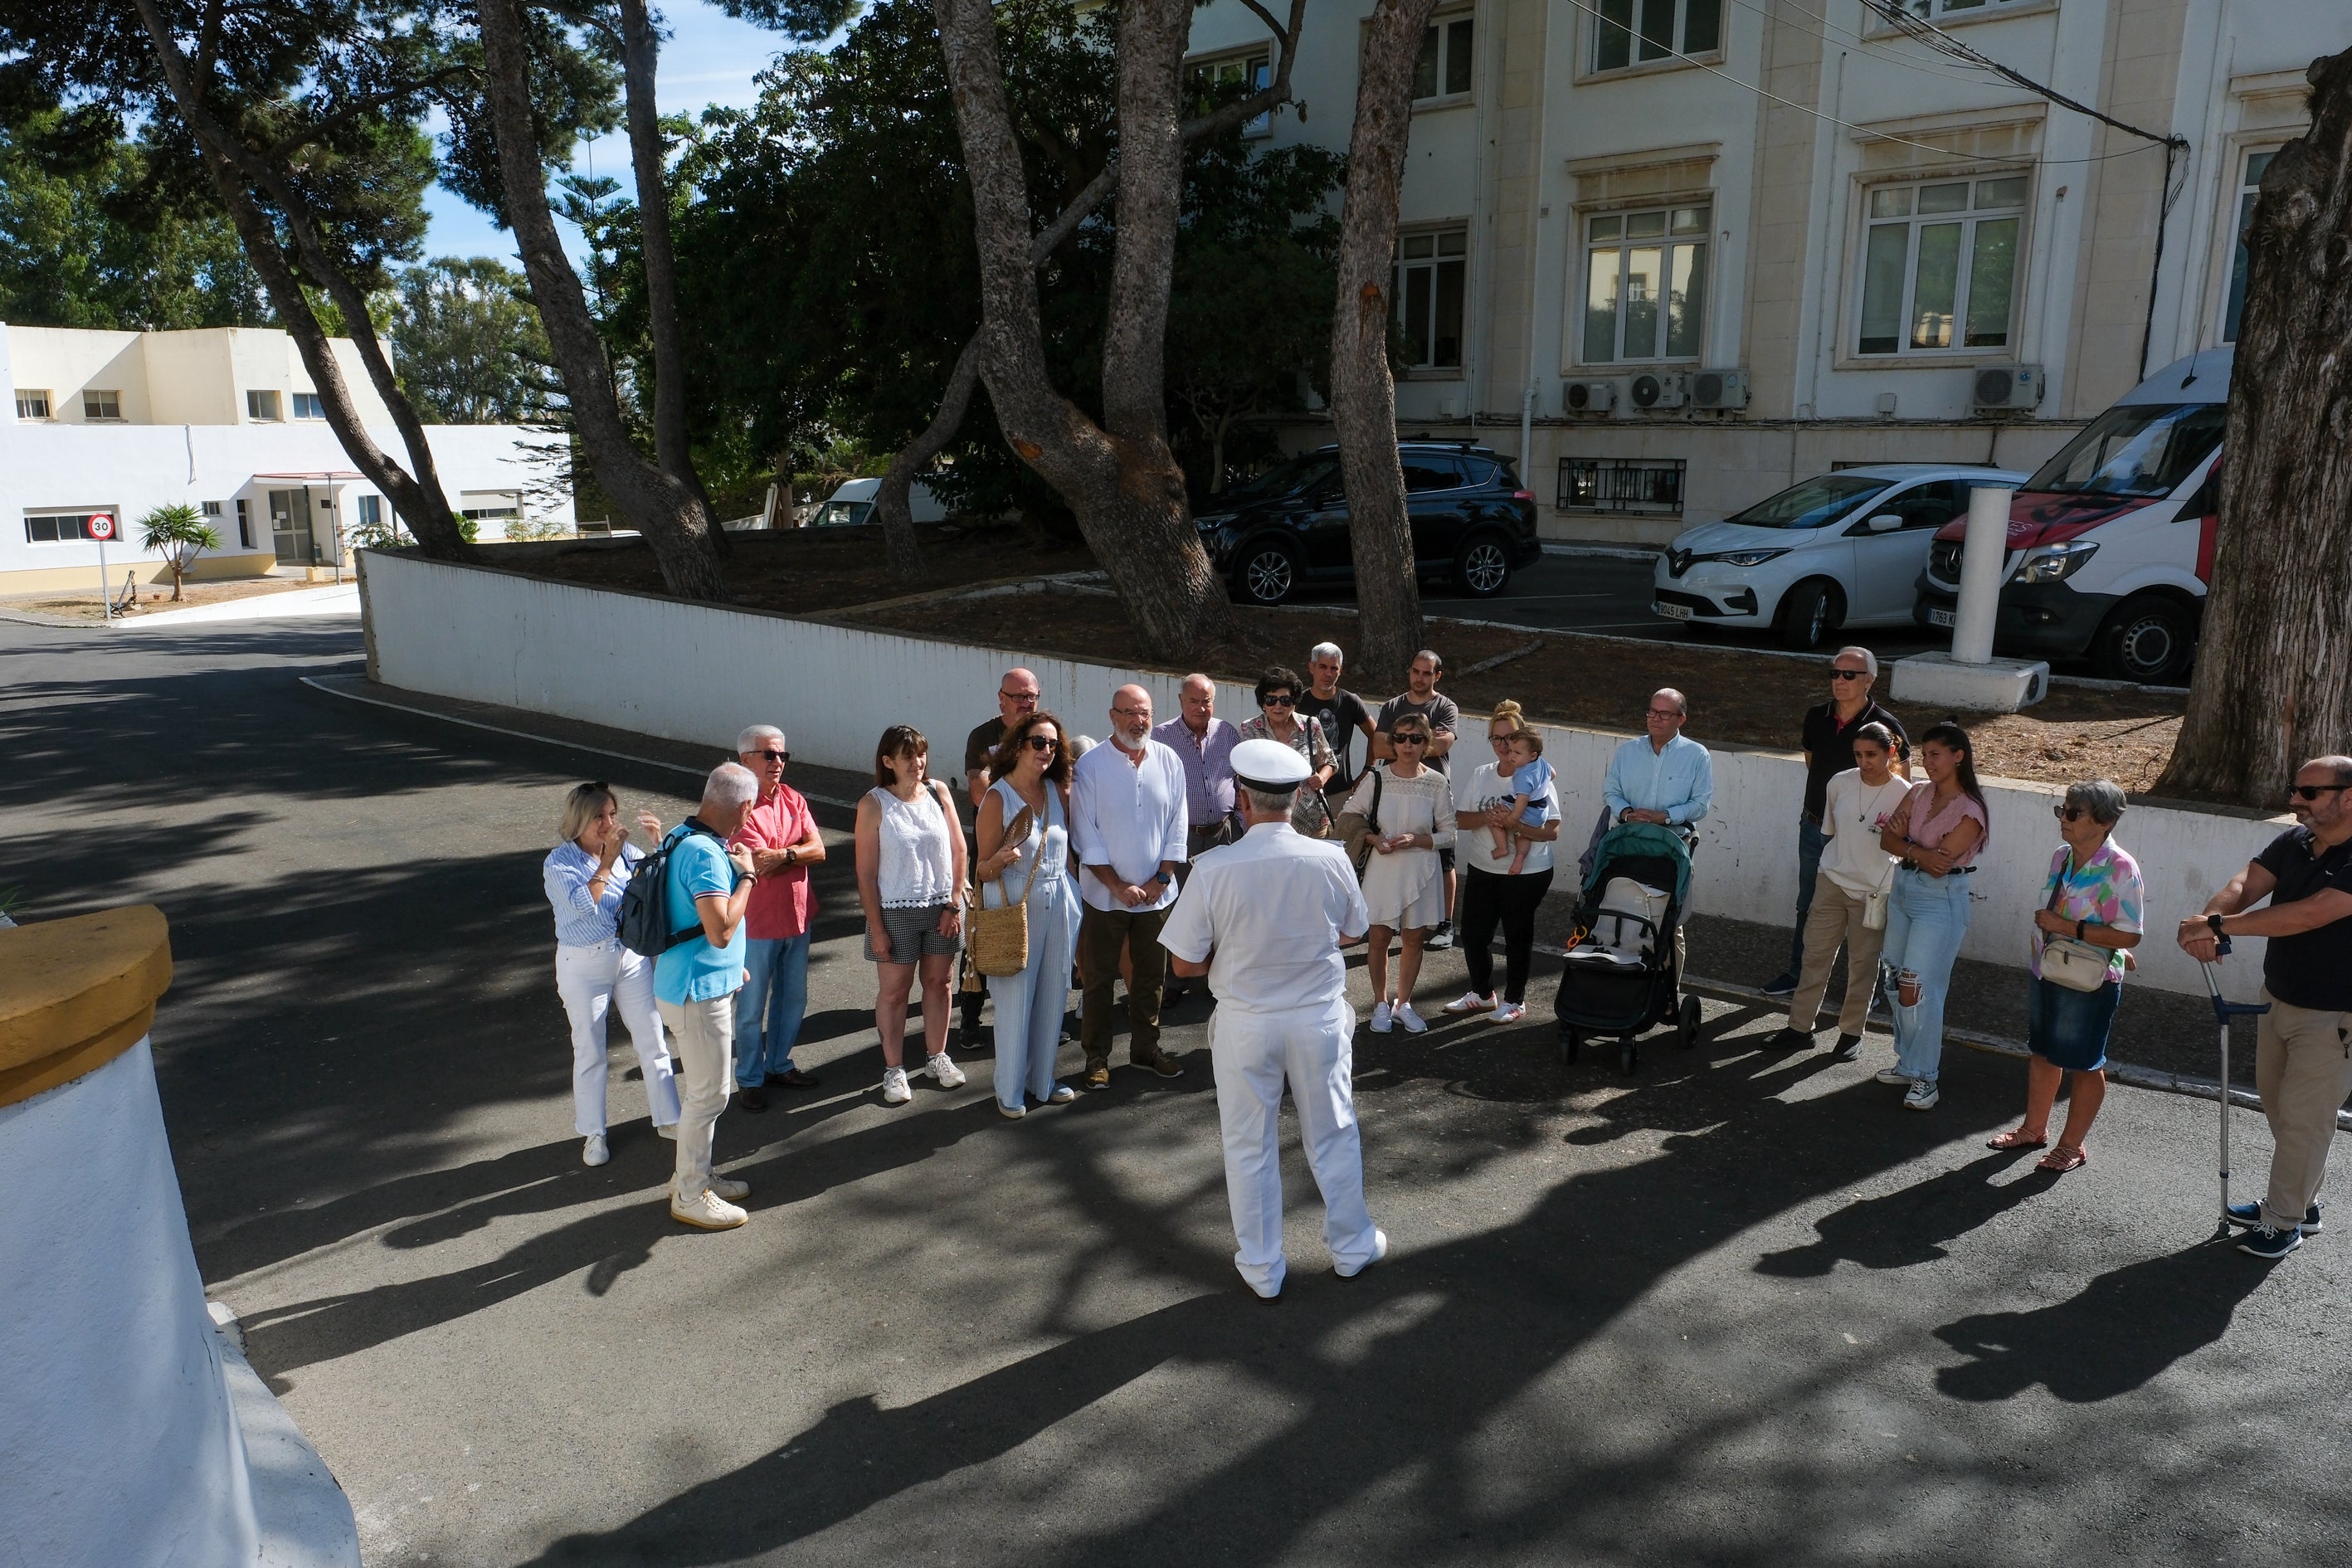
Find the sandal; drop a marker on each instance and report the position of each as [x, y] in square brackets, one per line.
[2015, 1139]
[2062, 1159]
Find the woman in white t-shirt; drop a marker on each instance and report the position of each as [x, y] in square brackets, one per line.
[1854, 866]
[1491, 893]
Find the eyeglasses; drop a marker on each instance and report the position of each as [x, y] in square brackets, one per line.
[775, 756]
[1837, 674]
[1026, 699]
[2313, 792]
[1040, 742]
[1134, 712]
[1278, 699]
[1663, 713]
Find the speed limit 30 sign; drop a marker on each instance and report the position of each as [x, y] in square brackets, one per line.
[98, 526]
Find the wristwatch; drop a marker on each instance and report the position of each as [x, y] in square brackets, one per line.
[792, 855]
[1165, 878]
[2215, 921]
[2078, 931]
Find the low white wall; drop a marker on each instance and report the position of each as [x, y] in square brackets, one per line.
[698, 674]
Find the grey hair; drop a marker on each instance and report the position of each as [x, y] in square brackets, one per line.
[2102, 798]
[1681, 702]
[1326, 650]
[1869, 659]
[748, 740]
[730, 784]
[1270, 801]
[582, 804]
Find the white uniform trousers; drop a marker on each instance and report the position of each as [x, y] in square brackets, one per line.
[595, 982]
[1253, 1053]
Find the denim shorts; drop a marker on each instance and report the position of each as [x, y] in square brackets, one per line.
[2069, 1028]
[913, 933]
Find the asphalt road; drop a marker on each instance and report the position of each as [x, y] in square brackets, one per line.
[1738, 1310]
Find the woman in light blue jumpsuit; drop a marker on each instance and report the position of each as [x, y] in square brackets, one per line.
[1030, 770]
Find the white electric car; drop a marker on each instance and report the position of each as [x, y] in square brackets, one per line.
[1841, 549]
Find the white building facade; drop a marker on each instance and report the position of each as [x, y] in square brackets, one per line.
[1698, 249]
[114, 424]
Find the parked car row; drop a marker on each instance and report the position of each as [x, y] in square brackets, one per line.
[2108, 556]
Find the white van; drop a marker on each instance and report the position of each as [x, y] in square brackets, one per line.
[854, 503]
[2111, 541]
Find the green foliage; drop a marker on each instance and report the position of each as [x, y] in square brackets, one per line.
[468, 344]
[88, 237]
[178, 532]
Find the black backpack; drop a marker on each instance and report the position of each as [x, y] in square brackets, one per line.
[644, 924]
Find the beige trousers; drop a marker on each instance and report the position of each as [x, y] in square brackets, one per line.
[2303, 1071]
[705, 1032]
[1835, 920]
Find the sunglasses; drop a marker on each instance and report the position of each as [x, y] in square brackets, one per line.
[1406, 738]
[1279, 699]
[1837, 674]
[2313, 792]
[1040, 742]
[2069, 812]
[775, 756]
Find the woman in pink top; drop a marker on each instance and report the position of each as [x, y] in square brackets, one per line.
[1936, 835]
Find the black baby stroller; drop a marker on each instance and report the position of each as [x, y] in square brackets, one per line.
[1622, 974]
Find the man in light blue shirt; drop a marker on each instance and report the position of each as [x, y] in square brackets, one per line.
[1661, 776]
[705, 891]
[1127, 824]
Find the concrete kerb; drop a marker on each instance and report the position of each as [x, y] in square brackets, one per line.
[1718, 990]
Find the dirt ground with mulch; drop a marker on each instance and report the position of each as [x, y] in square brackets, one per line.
[86, 607]
[1735, 696]
[806, 572]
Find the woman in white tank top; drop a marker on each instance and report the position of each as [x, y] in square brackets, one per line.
[910, 877]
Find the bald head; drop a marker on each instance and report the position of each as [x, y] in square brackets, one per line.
[2328, 811]
[1131, 717]
[1663, 716]
[1016, 694]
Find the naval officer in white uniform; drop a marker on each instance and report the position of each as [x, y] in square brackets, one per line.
[1263, 918]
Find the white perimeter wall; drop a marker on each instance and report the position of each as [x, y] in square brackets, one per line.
[698, 673]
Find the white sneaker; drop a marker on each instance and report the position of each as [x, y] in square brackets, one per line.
[1896, 1076]
[1404, 1015]
[706, 1211]
[894, 1087]
[1063, 1094]
[727, 1187]
[595, 1151]
[1923, 1096]
[1471, 1002]
[1010, 1112]
[1509, 1013]
[945, 1073]
[1381, 1019]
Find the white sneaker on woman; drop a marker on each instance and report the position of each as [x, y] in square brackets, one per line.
[1381, 1017]
[1509, 1013]
[1471, 1002]
[1404, 1014]
[944, 1073]
[894, 1087]
[595, 1151]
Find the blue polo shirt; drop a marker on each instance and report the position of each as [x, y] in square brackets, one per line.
[694, 971]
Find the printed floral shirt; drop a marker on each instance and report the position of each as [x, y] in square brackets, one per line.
[2105, 890]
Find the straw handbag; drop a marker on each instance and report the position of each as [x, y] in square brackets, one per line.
[997, 938]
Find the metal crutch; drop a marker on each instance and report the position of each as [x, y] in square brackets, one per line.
[2223, 1011]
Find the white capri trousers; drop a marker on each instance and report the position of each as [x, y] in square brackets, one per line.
[595, 982]
[1253, 1053]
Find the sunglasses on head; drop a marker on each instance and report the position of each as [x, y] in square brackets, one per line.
[1040, 742]
[2313, 792]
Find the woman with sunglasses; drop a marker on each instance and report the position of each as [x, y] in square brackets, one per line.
[1411, 810]
[1500, 887]
[1278, 719]
[596, 975]
[2092, 899]
[1857, 802]
[1021, 838]
[1937, 834]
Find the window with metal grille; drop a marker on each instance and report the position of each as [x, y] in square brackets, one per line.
[1653, 485]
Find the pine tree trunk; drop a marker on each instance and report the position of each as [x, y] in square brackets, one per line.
[1363, 394]
[675, 523]
[890, 508]
[2273, 681]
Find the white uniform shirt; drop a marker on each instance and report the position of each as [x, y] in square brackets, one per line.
[1274, 907]
[1129, 817]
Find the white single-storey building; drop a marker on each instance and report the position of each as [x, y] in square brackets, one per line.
[227, 420]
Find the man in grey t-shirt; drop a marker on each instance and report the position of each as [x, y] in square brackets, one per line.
[1421, 698]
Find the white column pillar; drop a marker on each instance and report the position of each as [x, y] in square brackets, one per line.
[1980, 570]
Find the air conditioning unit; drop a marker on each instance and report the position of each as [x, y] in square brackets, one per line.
[1719, 388]
[1588, 396]
[1666, 390]
[2001, 388]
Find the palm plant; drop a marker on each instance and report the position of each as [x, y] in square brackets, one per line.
[178, 532]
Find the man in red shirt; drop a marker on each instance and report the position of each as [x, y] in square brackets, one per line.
[780, 833]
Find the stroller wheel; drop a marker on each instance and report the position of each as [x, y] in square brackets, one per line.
[1629, 1055]
[1571, 1042]
[1688, 1023]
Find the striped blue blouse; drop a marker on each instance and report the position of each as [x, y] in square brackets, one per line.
[581, 921]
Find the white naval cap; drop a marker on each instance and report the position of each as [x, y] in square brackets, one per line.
[1269, 766]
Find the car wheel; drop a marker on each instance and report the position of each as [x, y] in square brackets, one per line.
[2148, 639]
[1269, 573]
[1482, 568]
[1807, 614]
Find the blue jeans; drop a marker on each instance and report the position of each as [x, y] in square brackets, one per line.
[769, 1009]
[1811, 842]
[1926, 919]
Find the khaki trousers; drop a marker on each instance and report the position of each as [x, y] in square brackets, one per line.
[1101, 934]
[1835, 920]
[2303, 1071]
[704, 1032]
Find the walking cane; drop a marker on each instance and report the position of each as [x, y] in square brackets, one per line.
[2223, 1011]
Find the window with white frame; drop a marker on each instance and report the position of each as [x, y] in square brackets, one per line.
[310, 405]
[1939, 266]
[1236, 76]
[1431, 278]
[97, 403]
[64, 527]
[2249, 186]
[479, 505]
[1644, 285]
[261, 405]
[1957, 10]
[1444, 68]
[1629, 33]
[32, 405]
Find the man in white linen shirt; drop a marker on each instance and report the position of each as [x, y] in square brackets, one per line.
[1264, 919]
[1127, 824]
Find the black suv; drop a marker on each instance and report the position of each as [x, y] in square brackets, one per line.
[1472, 521]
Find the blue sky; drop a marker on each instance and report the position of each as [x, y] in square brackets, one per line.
[709, 59]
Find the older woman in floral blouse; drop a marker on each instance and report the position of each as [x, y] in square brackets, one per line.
[1277, 720]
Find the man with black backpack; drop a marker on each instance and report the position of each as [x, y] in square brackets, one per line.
[704, 889]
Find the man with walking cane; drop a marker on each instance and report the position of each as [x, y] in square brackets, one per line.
[2303, 1062]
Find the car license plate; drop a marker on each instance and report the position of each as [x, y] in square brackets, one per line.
[1672, 612]
[1943, 617]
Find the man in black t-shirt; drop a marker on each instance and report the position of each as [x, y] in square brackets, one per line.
[1347, 722]
[2302, 1057]
[1016, 694]
[1827, 738]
